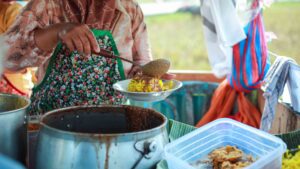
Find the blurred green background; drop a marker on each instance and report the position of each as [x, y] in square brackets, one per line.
[179, 36]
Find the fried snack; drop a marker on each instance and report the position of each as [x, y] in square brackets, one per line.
[227, 153]
[142, 83]
[237, 165]
[229, 157]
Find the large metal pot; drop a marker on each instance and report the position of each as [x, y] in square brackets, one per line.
[12, 126]
[101, 137]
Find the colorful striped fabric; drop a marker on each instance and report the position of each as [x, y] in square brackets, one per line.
[250, 61]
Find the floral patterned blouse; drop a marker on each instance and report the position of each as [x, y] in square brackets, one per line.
[129, 32]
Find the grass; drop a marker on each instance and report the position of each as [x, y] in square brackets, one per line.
[284, 20]
[179, 36]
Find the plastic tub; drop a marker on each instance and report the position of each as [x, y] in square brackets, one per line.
[8, 163]
[266, 149]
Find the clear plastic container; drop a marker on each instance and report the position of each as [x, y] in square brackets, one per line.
[265, 148]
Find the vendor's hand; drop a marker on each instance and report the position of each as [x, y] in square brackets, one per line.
[78, 37]
[134, 70]
[168, 76]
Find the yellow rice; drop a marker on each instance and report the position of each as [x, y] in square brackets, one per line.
[290, 161]
[153, 85]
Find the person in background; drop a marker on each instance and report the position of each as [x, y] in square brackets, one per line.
[72, 75]
[19, 83]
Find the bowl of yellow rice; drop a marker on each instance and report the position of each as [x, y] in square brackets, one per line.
[149, 90]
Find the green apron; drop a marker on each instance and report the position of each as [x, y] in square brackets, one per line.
[72, 79]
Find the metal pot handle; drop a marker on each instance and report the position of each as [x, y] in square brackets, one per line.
[146, 148]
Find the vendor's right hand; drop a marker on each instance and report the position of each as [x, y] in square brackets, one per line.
[78, 37]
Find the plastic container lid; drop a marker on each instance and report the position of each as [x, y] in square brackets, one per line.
[265, 148]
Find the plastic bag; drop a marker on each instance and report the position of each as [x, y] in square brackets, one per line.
[250, 61]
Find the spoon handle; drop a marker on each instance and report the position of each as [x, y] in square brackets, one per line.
[109, 54]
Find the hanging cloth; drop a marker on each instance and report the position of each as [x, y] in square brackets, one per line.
[282, 71]
[250, 61]
[222, 29]
[249, 66]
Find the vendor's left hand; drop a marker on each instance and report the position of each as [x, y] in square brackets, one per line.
[134, 70]
[168, 76]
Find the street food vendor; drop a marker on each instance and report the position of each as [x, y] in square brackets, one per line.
[10, 82]
[60, 37]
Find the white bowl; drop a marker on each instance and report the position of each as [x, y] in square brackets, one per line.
[122, 86]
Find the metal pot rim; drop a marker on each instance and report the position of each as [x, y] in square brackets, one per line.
[15, 96]
[89, 135]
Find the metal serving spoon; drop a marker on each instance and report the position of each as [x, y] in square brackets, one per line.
[155, 68]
